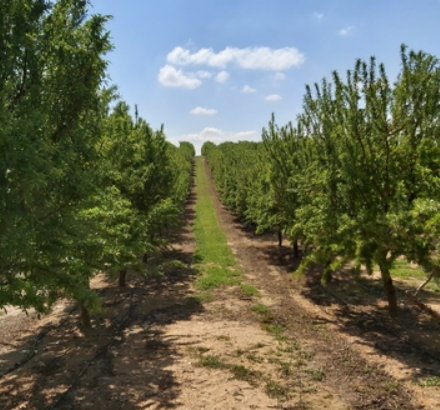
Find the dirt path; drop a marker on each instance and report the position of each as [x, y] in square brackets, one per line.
[155, 346]
[366, 359]
[53, 363]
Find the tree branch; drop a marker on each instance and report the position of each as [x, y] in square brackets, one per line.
[22, 90]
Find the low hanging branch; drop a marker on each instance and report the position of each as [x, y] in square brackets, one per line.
[431, 275]
[414, 299]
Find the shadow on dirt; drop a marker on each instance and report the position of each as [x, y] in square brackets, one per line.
[124, 360]
[118, 363]
[364, 382]
[360, 308]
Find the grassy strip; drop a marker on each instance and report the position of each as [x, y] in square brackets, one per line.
[416, 275]
[213, 257]
[413, 275]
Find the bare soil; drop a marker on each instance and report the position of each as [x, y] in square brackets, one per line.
[155, 346]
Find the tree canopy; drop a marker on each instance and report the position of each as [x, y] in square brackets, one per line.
[356, 179]
[83, 188]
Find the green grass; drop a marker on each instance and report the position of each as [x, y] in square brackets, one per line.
[290, 347]
[390, 386]
[277, 331]
[241, 372]
[403, 270]
[249, 290]
[428, 381]
[204, 297]
[213, 257]
[224, 338]
[277, 390]
[316, 375]
[260, 309]
[413, 275]
[197, 350]
[213, 362]
[215, 276]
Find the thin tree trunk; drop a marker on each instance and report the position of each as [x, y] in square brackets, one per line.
[327, 276]
[390, 291]
[122, 278]
[145, 258]
[85, 317]
[431, 275]
[280, 237]
[295, 250]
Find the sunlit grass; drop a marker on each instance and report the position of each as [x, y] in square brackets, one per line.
[213, 257]
[403, 270]
[249, 290]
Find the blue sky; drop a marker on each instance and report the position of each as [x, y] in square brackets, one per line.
[216, 69]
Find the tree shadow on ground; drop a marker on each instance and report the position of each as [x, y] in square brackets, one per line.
[359, 306]
[136, 371]
[108, 366]
[364, 382]
[360, 309]
[125, 360]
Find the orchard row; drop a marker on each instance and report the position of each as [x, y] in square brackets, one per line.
[85, 187]
[356, 180]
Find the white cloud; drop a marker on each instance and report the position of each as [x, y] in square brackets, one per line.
[318, 16]
[248, 89]
[216, 135]
[222, 77]
[203, 111]
[170, 77]
[279, 76]
[251, 58]
[346, 31]
[203, 74]
[273, 97]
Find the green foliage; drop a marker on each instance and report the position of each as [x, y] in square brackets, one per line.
[182, 158]
[356, 180]
[232, 166]
[371, 155]
[52, 68]
[82, 189]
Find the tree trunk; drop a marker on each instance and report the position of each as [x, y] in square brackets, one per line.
[122, 278]
[389, 290]
[280, 237]
[85, 316]
[145, 258]
[295, 250]
[327, 275]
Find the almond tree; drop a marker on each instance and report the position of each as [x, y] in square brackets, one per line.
[142, 191]
[374, 158]
[282, 147]
[52, 67]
